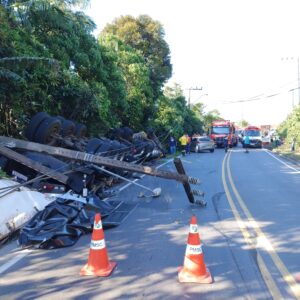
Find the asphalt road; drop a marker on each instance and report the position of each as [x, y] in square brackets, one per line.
[249, 233]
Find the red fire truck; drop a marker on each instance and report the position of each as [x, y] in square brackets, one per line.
[222, 128]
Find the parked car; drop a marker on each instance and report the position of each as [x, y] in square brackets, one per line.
[201, 143]
[240, 133]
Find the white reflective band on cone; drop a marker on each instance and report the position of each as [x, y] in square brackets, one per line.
[98, 226]
[193, 249]
[193, 228]
[97, 245]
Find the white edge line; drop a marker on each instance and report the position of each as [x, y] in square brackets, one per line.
[14, 260]
[281, 161]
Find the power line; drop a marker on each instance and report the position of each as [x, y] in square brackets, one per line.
[259, 97]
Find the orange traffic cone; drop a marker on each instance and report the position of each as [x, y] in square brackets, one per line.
[98, 263]
[194, 269]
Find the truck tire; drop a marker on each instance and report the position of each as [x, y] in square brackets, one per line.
[93, 145]
[80, 130]
[104, 149]
[46, 131]
[62, 119]
[34, 123]
[126, 133]
[116, 147]
[67, 128]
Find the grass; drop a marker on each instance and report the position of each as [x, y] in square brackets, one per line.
[285, 150]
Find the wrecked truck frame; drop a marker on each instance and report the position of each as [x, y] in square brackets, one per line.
[8, 143]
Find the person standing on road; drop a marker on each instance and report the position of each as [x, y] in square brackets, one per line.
[172, 145]
[229, 138]
[188, 144]
[293, 145]
[247, 142]
[183, 142]
[226, 143]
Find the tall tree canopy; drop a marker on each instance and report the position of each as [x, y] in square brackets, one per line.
[147, 36]
[174, 116]
[136, 75]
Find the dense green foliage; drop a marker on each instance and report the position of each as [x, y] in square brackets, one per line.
[205, 118]
[243, 123]
[173, 115]
[146, 36]
[50, 61]
[135, 73]
[290, 128]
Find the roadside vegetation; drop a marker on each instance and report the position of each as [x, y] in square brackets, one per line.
[51, 61]
[288, 131]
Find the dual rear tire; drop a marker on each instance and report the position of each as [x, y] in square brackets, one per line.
[45, 129]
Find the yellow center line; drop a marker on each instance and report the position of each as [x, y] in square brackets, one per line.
[274, 291]
[289, 279]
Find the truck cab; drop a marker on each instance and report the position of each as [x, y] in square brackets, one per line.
[255, 136]
[221, 129]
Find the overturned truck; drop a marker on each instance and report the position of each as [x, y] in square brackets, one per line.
[58, 149]
[86, 161]
[58, 157]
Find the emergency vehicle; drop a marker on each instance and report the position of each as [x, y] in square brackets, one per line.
[221, 129]
[254, 134]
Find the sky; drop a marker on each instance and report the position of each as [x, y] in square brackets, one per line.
[234, 50]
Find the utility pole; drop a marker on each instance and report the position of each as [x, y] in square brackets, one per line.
[298, 80]
[298, 73]
[192, 89]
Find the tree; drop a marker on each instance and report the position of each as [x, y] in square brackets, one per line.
[290, 128]
[88, 86]
[146, 36]
[243, 123]
[209, 117]
[173, 115]
[20, 55]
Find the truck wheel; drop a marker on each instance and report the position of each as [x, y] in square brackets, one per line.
[67, 128]
[104, 149]
[93, 145]
[46, 131]
[126, 133]
[34, 123]
[80, 130]
[62, 119]
[116, 147]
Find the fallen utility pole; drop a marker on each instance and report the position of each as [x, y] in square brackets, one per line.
[90, 158]
[189, 192]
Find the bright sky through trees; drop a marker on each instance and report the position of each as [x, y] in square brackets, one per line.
[236, 50]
